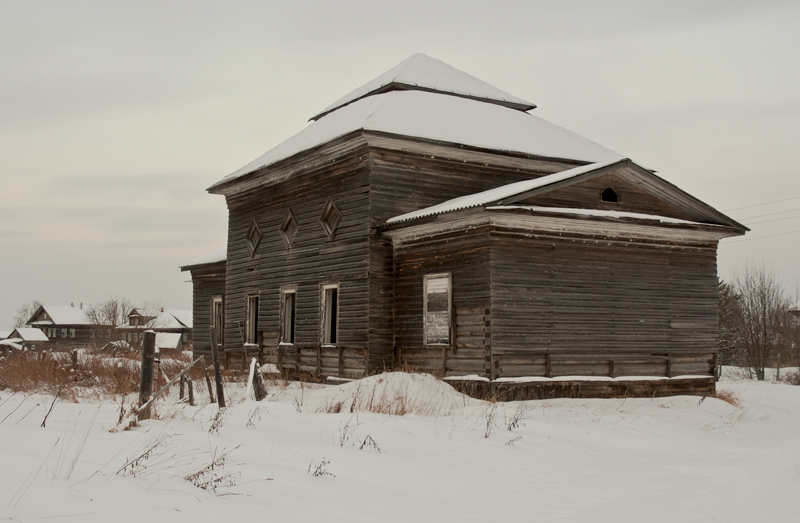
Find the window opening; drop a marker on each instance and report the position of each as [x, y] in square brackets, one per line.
[217, 319]
[330, 313]
[609, 195]
[251, 321]
[437, 309]
[288, 311]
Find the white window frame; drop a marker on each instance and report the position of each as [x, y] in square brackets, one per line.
[288, 317]
[449, 312]
[329, 315]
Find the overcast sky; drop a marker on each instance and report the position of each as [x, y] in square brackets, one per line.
[116, 116]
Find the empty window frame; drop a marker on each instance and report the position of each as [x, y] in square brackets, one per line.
[287, 316]
[437, 309]
[218, 319]
[330, 314]
[251, 321]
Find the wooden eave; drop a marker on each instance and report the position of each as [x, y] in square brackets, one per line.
[400, 86]
[529, 222]
[298, 164]
[649, 182]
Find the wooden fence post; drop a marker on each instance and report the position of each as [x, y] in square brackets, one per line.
[182, 387]
[146, 382]
[191, 392]
[217, 371]
[208, 384]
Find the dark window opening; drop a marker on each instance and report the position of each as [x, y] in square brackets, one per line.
[288, 317]
[251, 321]
[609, 195]
[330, 313]
[217, 313]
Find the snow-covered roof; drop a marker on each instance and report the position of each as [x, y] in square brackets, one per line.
[499, 193]
[597, 212]
[212, 257]
[65, 315]
[184, 317]
[30, 334]
[14, 343]
[168, 340]
[422, 72]
[442, 118]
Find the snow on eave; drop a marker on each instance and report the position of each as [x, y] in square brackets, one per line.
[601, 213]
[422, 72]
[31, 334]
[217, 256]
[499, 193]
[437, 117]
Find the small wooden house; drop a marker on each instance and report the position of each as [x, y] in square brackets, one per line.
[68, 327]
[428, 220]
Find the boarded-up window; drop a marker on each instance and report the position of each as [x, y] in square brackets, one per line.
[437, 309]
[330, 314]
[287, 316]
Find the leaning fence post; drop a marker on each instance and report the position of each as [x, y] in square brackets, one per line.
[217, 372]
[208, 383]
[148, 361]
[182, 387]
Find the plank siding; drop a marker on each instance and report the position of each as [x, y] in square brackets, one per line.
[588, 304]
[312, 260]
[208, 281]
[466, 257]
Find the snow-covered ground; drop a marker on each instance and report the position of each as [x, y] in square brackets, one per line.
[449, 458]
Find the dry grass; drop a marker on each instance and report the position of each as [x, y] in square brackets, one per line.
[96, 375]
[727, 396]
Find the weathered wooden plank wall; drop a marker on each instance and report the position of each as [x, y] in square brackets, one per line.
[466, 257]
[590, 301]
[207, 282]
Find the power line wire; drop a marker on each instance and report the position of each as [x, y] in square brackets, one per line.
[769, 214]
[761, 237]
[776, 220]
[765, 203]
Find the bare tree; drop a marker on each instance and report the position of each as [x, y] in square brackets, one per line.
[24, 313]
[760, 317]
[111, 313]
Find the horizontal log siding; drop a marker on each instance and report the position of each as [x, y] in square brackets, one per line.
[408, 174]
[206, 283]
[586, 195]
[600, 307]
[312, 260]
[466, 257]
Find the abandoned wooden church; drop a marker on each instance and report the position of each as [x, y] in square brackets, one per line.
[428, 220]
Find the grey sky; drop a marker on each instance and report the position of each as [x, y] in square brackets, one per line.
[115, 116]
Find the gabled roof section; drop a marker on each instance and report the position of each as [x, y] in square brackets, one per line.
[498, 194]
[423, 73]
[29, 334]
[440, 118]
[505, 197]
[61, 315]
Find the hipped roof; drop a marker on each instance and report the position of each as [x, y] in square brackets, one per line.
[423, 73]
[435, 113]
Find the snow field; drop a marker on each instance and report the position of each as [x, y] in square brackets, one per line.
[449, 458]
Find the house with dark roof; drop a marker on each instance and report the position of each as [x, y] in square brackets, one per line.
[429, 220]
